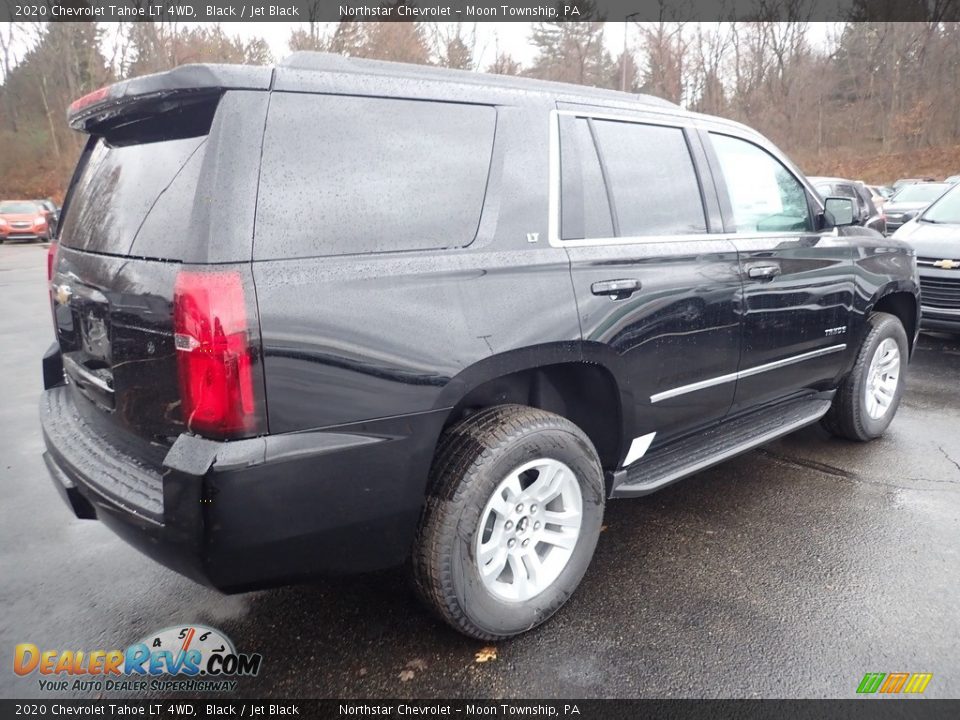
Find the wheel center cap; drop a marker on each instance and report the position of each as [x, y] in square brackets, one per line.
[522, 524]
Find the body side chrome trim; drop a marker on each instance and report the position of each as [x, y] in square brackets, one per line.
[84, 375]
[775, 365]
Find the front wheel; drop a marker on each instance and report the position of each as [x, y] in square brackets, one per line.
[869, 396]
[511, 523]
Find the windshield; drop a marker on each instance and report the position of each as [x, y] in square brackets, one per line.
[19, 208]
[946, 209]
[925, 192]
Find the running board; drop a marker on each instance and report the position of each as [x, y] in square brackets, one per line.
[719, 443]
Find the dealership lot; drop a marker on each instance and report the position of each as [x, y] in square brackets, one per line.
[790, 571]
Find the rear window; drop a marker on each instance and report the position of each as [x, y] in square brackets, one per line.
[344, 175]
[134, 199]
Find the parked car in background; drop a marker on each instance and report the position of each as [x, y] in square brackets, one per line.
[52, 212]
[935, 235]
[878, 198]
[884, 190]
[866, 213]
[23, 220]
[910, 201]
[903, 182]
[953, 179]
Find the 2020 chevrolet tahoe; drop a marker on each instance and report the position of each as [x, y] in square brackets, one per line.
[337, 314]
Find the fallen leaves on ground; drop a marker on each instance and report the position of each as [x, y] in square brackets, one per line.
[486, 654]
[411, 669]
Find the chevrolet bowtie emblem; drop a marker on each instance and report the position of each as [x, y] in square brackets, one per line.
[947, 264]
[62, 293]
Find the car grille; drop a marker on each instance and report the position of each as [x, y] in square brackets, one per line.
[21, 224]
[940, 292]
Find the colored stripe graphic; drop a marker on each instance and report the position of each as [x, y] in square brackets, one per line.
[894, 683]
[918, 682]
[870, 683]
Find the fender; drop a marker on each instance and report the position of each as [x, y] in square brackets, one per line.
[535, 357]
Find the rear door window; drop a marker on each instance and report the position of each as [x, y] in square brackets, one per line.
[651, 178]
[343, 175]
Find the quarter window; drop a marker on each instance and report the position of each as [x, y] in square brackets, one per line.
[345, 175]
[764, 195]
[584, 206]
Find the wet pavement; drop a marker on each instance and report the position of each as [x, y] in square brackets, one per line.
[787, 572]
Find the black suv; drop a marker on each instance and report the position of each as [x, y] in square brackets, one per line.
[336, 314]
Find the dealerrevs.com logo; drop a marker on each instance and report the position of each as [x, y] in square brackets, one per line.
[191, 658]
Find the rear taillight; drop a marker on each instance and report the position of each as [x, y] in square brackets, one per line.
[51, 260]
[215, 356]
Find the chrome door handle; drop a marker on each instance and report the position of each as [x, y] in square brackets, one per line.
[763, 272]
[618, 289]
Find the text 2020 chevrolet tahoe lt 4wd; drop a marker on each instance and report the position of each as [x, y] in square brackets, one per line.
[335, 314]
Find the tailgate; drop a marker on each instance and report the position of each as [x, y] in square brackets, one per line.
[158, 192]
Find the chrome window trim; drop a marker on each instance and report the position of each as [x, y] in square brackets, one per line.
[730, 377]
[554, 190]
[553, 218]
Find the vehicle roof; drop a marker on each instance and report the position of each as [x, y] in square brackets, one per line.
[321, 62]
[330, 73]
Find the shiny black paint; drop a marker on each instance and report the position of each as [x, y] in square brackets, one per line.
[366, 358]
[681, 327]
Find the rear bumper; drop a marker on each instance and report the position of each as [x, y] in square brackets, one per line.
[251, 513]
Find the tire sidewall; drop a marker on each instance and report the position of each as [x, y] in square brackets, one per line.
[503, 617]
[888, 327]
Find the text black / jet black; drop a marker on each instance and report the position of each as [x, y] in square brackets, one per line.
[327, 316]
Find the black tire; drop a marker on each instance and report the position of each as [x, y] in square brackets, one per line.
[472, 459]
[848, 417]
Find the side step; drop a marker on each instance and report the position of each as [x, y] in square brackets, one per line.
[719, 443]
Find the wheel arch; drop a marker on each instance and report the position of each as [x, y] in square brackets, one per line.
[554, 378]
[901, 302]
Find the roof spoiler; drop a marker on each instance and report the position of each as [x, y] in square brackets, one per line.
[105, 107]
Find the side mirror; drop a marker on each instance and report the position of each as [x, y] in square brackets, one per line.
[839, 211]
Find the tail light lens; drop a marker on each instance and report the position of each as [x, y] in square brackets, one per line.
[88, 99]
[218, 361]
[51, 260]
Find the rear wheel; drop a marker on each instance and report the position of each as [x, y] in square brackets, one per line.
[869, 396]
[511, 523]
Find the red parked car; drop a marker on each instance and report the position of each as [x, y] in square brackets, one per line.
[23, 220]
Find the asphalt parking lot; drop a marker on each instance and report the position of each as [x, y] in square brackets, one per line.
[788, 572]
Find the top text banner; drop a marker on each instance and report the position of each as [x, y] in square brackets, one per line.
[478, 11]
